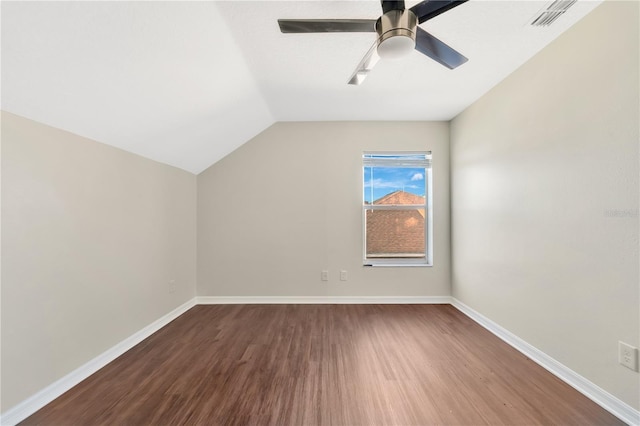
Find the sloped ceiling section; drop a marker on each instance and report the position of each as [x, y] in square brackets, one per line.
[160, 79]
[304, 76]
[185, 83]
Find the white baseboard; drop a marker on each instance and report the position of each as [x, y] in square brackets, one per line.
[321, 300]
[54, 390]
[598, 395]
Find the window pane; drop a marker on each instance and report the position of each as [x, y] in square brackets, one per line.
[396, 193]
[395, 233]
[394, 185]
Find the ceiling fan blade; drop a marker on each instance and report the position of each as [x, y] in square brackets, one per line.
[438, 50]
[327, 25]
[365, 66]
[431, 8]
[388, 5]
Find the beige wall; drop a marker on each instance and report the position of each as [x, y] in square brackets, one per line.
[545, 199]
[91, 236]
[287, 205]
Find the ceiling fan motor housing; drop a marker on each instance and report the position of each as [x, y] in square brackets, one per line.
[396, 33]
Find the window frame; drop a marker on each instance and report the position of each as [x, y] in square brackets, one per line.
[425, 163]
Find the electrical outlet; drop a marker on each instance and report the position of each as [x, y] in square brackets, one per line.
[343, 275]
[324, 275]
[628, 356]
[172, 286]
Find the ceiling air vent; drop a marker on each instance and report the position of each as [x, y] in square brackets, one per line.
[551, 13]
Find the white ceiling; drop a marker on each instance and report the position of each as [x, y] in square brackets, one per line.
[185, 83]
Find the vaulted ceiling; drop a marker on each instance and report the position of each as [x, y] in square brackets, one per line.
[185, 83]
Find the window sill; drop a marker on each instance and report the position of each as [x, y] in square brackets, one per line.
[397, 265]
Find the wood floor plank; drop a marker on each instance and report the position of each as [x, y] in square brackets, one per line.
[322, 365]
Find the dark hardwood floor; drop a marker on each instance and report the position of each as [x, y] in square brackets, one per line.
[322, 365]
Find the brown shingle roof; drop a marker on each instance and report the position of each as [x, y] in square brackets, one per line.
[400, 197]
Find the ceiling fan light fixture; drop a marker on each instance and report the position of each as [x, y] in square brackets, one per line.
[396, 34]
[396, 47]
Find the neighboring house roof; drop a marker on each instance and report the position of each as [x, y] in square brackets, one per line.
[400, 197]
[395, 232]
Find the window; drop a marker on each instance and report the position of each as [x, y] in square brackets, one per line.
[397, 210]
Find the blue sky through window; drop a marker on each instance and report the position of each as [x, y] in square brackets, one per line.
[380, 181]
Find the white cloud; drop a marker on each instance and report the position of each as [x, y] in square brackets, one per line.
[417, 176]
